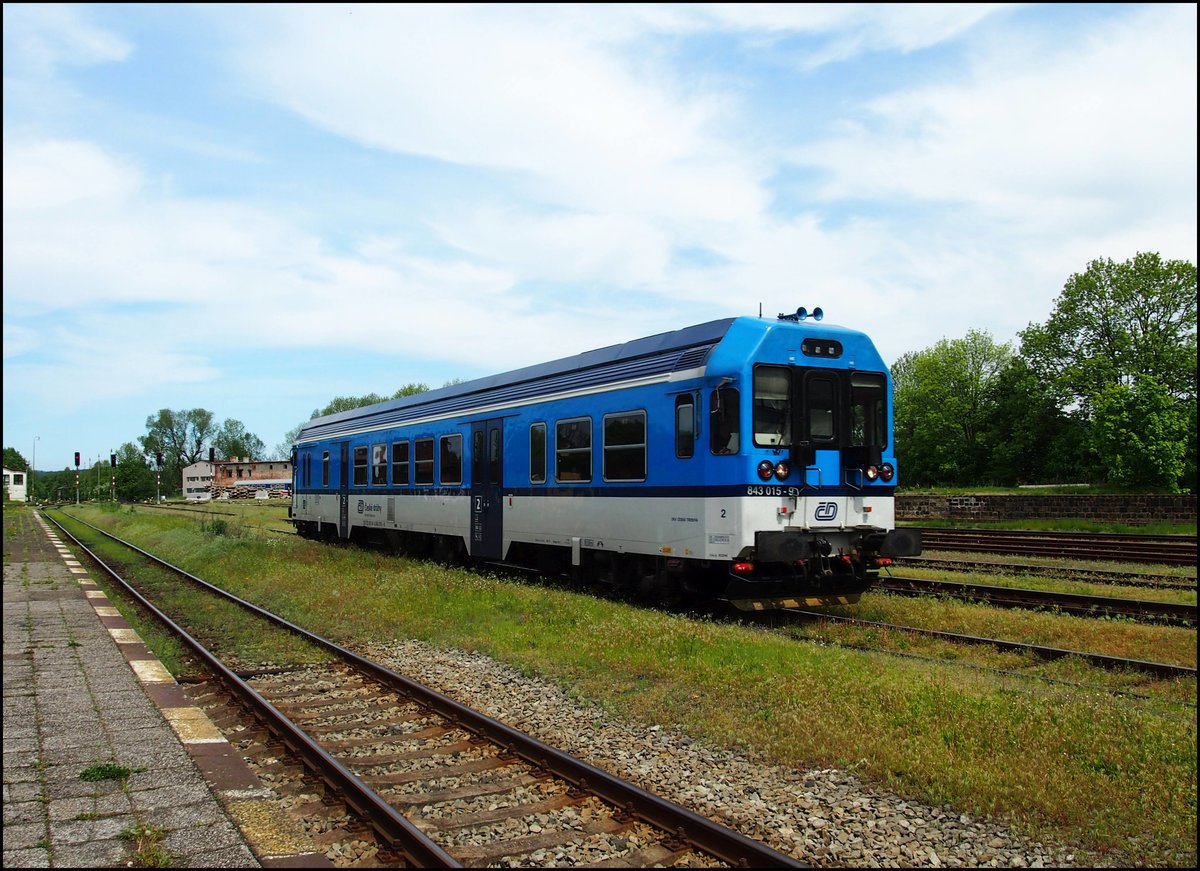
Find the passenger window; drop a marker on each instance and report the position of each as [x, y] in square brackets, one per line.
[360, 466]
[325, 469]
[625, 446]
[537, 453]
[424, 461]
[452, 459]
[573, 450]
[685, 427]
[379, 465]
[726, 421]
[400, 463]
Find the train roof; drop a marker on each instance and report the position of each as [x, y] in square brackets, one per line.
[673, 351]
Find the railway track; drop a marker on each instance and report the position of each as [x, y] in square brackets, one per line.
[1151, 549]
[439, 784]
[1171, 613]
[1100, 660]
[1102, 576]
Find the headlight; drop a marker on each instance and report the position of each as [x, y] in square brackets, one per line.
[872, 473]
[766, 470]
[887, 472]
[782, 469]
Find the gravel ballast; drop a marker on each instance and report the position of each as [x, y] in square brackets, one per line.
[823, 817]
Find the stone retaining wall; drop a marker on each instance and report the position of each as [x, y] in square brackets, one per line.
[1111, 509]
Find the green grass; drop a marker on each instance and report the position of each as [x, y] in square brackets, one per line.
[107, 771]
[970, 729]
[148, 852]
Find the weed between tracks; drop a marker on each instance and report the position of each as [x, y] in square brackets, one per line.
[1108, 771]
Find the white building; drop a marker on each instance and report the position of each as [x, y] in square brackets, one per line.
[14, 483]
[197, 481]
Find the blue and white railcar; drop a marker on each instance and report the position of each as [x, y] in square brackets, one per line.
[747, 459]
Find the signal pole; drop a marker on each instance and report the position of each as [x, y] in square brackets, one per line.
[77, 477]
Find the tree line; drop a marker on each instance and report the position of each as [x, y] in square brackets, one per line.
[1103, 392]
[173, 441]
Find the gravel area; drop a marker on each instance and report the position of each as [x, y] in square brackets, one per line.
[824, 817]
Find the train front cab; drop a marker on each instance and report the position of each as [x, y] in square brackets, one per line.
[818, 522]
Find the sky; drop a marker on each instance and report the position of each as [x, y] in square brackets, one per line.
[255, 209]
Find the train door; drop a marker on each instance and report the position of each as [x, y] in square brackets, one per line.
[344, 492]
[487, 476]
[822, 389]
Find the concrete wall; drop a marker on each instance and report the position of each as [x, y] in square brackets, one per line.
[1112, 509]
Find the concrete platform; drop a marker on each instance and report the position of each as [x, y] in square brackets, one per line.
[84, 697]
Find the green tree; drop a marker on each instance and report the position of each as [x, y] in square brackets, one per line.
[232, 440]
[180, 436]
[1140, 434]
[1116, 323]
[134, 477]
[349, 403]
[15, 460]
[1027, 437]
[1119, 347]
[942, 406]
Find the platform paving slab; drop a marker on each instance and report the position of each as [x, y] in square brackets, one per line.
[81, 691]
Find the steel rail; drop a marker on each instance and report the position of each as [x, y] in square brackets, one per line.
[1159, 669]
[394, 828]
[1174, 613]
[717, 840]
[1167, 550]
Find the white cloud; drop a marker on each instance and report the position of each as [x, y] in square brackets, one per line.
[49, 174]
[478, 86]
[1063, 140]
[38, 37]
[613, 249]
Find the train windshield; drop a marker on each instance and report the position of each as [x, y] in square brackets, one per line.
[868, 411]
[772, 417]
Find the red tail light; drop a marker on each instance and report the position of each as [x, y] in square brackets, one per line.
[743, 568]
